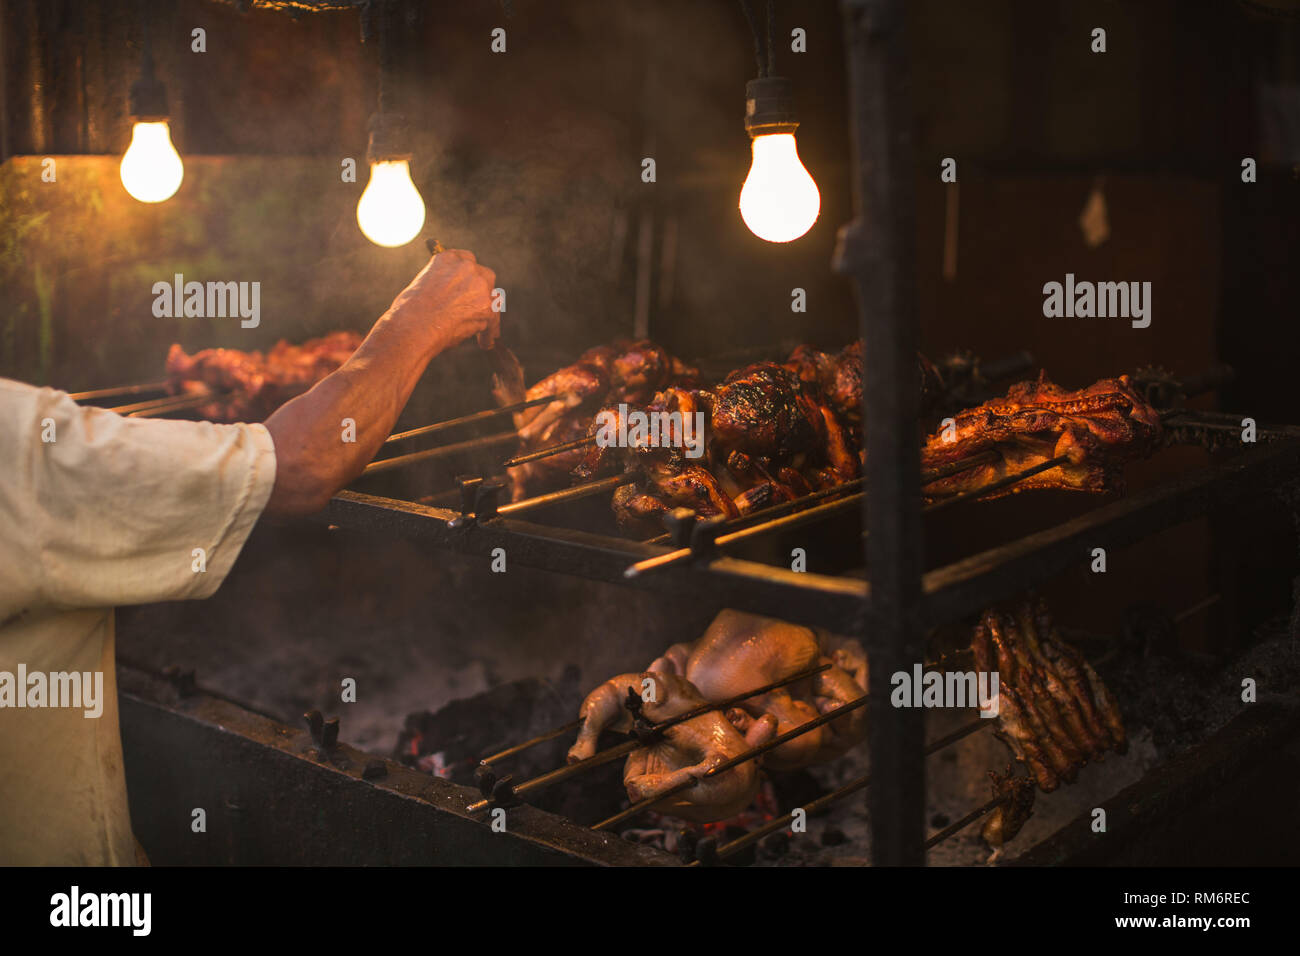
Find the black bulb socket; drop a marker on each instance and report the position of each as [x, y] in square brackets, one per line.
[148, 99]
[769, 106]
[390, 138]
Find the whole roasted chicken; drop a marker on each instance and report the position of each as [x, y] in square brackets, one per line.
[740, 652]
[685, 751]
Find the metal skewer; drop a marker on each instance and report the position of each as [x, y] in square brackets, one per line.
[590, 763]
[171, 403]
[816, 806]
[387, 464]
[995, 485]
[804, 515]
[533, 742]
[563, 773]
[567, 494]
[966, 821]
[470, 419]
[778, 509]
[547, 452]
[98, 393]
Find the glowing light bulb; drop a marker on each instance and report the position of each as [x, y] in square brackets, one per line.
[152, 169]
[390, 211]
[779, 201]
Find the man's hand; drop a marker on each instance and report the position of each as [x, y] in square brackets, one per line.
[450, 300]
[452, 296]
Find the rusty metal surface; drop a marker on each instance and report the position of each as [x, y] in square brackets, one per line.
[272, 797]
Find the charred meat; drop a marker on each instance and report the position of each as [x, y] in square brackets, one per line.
[1054, 711]
[249, 386]
[685, 752]
[1097, 428]
[1004, 822]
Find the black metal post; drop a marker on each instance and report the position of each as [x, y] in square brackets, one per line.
[876, 250]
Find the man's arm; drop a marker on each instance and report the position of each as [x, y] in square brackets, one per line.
[449, 301]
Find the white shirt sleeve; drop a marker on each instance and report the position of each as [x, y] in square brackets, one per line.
[97, 510]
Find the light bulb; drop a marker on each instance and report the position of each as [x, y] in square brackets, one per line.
[779, 201]
[152, 169]
[390, 211]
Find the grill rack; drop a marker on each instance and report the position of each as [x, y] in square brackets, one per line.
[832, 601]
[902, 600]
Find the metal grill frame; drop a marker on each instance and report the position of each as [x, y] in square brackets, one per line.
[902, 601]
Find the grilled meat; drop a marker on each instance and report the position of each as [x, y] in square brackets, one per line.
[1099, 428]
[837, 379]
[1003, 823]
[1070, 707]
[625, 371]
[740, 652]
[640, 508]
[1025, 742]
[1067, 757]
[686, 751]
[766, 440]
[1055, 713]
[249, 386]
[761, 410]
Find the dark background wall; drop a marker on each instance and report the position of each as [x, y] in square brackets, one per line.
[532, 159]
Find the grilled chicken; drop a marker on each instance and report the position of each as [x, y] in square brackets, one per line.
[624, 371]
[686, 751]
[741, 652]
[640, 508]
[837, 379]
[760, 429]
[738, 653]
[249, 386]
[1098, 428]
[762, 410]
